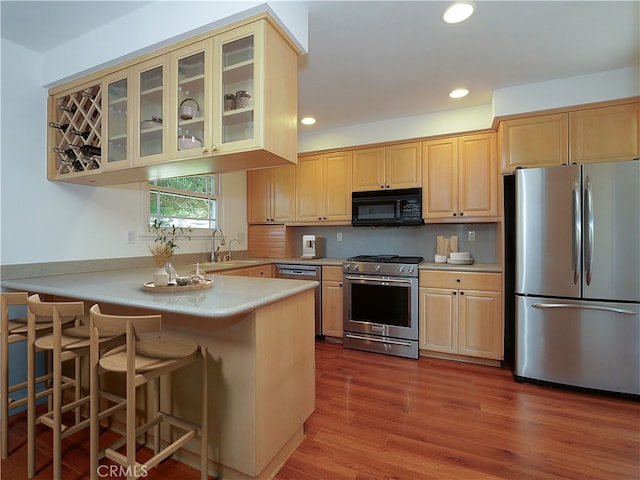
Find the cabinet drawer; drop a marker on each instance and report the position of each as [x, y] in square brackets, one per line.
[331, 274]
[461, 280]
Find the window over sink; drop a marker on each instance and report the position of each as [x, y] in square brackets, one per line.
[185, 201]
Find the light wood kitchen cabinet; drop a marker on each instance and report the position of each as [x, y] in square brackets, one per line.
[539, 141]
[460, 179]
[118, 127]
[606, 134]
[265, 271]
[74, 109]
[150, 86]
[176, 120]
[332, 301]
[461, 314]
[387, 167]
[323, 187]
[271, 195]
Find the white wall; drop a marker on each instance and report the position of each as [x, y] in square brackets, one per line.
[564, 92]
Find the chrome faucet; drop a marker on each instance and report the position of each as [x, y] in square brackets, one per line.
[214, 250]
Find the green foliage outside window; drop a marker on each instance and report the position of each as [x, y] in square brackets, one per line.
[184, 201]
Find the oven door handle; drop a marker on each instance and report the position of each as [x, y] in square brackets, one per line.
[379, 340]
[378, 279]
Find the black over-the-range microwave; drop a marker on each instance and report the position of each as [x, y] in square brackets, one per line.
[387, 208]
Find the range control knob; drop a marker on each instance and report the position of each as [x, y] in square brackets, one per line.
[346, 267]
[412, 269]
[377, 268]
[401, 268]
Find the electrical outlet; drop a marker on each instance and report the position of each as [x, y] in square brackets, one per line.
[131, 237]
[339, 236]
[471, 236]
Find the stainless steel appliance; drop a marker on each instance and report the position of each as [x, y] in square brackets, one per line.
[577, 278]
[312, 246]
[305, 272]
[381, 304]
[387, 208]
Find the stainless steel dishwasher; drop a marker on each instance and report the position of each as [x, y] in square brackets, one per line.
[305, 272]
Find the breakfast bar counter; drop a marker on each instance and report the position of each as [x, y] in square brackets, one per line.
[260, 338]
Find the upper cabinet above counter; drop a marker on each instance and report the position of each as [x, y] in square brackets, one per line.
[220, 102]
[587, 135]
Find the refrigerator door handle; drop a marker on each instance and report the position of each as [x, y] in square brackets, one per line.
[588, 244]
[577, 231]
[584, 307]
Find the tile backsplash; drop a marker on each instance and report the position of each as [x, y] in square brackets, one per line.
[419, 241]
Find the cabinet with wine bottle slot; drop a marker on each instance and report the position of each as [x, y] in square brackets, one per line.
[169, 113]
[75, 132]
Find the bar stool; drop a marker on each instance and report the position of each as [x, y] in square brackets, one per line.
[12, 331]
[146, 357]
[68, 341]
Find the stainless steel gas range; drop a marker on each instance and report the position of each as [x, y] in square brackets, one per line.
[381, 304]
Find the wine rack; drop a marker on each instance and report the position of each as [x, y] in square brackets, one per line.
[76, 137]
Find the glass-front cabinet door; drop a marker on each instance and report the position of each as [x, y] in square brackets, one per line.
[238, 98]
[150, 78]
[190, 101]
[115, 113]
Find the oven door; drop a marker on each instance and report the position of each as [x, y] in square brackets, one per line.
[384, 306]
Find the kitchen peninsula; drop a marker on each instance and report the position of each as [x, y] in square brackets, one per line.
[260, 337]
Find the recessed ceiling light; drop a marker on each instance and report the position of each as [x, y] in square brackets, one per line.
[458, 12]
[459, 93]
[308, 121]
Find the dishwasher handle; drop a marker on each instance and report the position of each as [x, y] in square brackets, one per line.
[291, 271]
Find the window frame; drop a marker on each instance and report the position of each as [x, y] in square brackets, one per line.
[214, 196]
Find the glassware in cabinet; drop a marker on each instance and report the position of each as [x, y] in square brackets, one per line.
[238, 79]
[150, 95]
[190, 106]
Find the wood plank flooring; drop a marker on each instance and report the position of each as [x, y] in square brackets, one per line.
[382, 417]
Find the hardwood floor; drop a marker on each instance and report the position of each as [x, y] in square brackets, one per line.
[382, 417]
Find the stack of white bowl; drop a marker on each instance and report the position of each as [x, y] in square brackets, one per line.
[460, 258]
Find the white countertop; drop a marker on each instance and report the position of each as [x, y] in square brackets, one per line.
[228, 296]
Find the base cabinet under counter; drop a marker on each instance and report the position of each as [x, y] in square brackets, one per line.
[332, 302]
[461, 315]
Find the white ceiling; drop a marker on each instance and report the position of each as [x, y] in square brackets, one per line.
[371, 61]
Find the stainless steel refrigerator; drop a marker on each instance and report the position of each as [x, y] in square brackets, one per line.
[577, 276]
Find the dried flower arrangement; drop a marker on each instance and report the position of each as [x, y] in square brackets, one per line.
[165, 242]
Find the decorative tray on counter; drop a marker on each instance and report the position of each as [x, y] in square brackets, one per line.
[150, 287]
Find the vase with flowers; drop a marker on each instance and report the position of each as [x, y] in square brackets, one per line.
[163, 249]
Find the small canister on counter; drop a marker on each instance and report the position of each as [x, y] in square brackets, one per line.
[243, 99]
[229, 102]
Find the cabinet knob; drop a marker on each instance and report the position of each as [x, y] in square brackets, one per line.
[461, 214]
[458, 280]
[454, 214]
[214, 148]
[205, 149]
[461, 293]
[455, 293]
